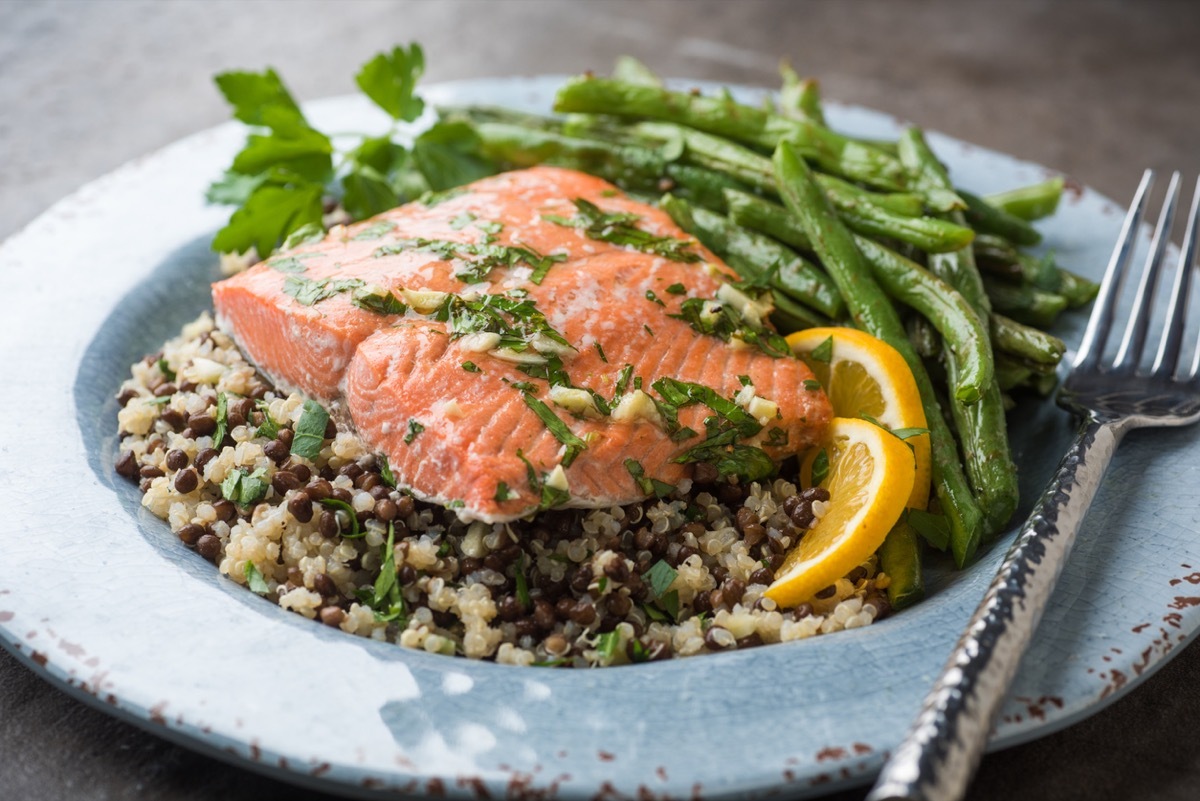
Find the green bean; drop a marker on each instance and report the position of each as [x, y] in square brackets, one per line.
[962, 333]
[751, 126]
[988, 219]
[702, 186]
[904, 280]
[857, 208]
[1001, 257]
[871, 311]
[1024, 303]
[1077, 290]
[1010, 374]
[758, 257]
[630, 70]
[1029, 202]
[800, 98]
[900, 559]
[981, 425]
[632, 168]
[789, 316]
[1029, 343]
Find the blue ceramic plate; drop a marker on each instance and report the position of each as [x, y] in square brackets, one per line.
[100, 597]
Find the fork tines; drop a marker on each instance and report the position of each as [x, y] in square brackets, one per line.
[1129, 354]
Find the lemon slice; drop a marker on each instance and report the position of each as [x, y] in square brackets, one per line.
[870, 478]
[865, 376]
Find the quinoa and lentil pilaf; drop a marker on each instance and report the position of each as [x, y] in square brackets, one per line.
[676, 576]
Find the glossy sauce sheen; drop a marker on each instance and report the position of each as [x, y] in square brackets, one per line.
[385, 370]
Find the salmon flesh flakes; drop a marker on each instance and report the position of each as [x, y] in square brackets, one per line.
[557, 343]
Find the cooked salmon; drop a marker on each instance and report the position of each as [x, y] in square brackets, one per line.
[522, 342]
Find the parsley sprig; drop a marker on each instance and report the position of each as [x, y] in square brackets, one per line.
[288, 169]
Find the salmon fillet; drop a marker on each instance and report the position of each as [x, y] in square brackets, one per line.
[494, 389]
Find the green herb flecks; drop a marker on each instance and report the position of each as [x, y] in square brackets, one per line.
[522, 583]
[620, 228]
[384, 598]
[255, 580]
[934, 528]
[308, 292]
[676, 289]
[377, 299]
[574, 445]
[820, 467]
[649, 486]
[607, 644]
[660, 577]
[165, 369]
[310, 430]
[503, 493]
[516, 319]
[471, 367]
[812, 384]
[268, 429]
[385, 471]
[375, 230]
[356, 531]
[289, 264]
[653, 298]
[222, 420]
[730, 423]
[414, 429]
[723, 321]
[244, 488]
[824, 352]
[478, 260]
[600, 351]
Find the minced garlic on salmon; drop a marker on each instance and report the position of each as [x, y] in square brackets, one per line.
[533, 339]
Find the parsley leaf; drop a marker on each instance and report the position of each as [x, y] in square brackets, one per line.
[824, 352]
[310, 430]
[389, 79]
[447, 155]
[414, 428]
[244, 488]
[355, 530]
[619, 228]
[258, 98]
[660, 577]
[557, 427]
[676, 289]
[222, 419]
[503, 493]
[255, 580]
[471, 367]
[308, 292]
[649, 486]
[385, 471]
[269, 215]
[934, 528]
[820, 467]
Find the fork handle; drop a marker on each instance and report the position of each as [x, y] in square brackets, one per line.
[940, 752]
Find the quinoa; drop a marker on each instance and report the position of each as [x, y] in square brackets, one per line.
[671, 577]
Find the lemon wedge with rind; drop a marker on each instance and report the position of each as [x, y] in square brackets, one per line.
[865, 376]
[870, 478]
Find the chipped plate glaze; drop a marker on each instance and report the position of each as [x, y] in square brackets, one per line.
[100, 597]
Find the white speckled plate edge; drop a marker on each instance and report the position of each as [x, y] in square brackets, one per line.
[99, 597]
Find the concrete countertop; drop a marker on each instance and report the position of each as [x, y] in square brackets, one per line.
[1096, 89]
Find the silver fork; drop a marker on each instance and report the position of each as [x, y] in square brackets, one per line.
[942, 748]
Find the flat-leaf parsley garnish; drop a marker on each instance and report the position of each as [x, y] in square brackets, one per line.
[414, 429]
[310, 430]
[308, 292]
[620, 228]
[478, 260]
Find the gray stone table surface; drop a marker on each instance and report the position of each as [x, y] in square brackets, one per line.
[1096, 89]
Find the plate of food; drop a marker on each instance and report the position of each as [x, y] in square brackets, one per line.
[508, 453]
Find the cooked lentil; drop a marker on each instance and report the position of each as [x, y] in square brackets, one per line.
[555, 590]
